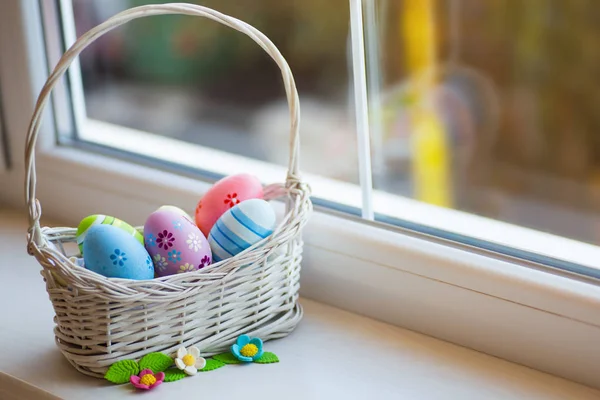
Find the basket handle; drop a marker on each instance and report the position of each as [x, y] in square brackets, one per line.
[89, 37]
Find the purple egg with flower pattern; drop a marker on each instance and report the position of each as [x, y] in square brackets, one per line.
[175, 244]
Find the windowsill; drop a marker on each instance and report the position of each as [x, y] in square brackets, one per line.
[489, 305]
[332, 354]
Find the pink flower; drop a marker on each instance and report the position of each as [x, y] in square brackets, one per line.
[147, 379]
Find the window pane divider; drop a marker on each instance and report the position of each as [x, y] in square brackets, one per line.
[361, 108]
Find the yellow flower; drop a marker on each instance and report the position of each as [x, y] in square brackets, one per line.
[187, 267]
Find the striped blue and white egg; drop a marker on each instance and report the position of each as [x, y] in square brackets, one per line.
[240, 227]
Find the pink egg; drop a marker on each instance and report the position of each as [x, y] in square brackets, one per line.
[225, 194]
[175, 244]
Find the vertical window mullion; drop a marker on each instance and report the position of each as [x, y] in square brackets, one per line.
[374, 83]
[361, 108]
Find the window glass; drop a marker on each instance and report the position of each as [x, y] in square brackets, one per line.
[486, 107]
[197, 81]
[490, 107]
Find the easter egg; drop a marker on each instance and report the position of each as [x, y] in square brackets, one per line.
[96, 219]
[176, 210]
[114, 253]
[175, 244]
[240, 227]
[226, 193]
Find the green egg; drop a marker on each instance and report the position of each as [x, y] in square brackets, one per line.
[96, 219]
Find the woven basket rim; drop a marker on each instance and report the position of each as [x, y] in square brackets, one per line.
[71, 273]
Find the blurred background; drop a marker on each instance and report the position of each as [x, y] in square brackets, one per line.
[486, 106]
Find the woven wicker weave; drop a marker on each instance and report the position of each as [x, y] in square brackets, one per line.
[103, 320]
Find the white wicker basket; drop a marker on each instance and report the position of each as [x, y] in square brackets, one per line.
[103, 320]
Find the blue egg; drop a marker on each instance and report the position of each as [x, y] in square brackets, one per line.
[114, 253]
[241, 227]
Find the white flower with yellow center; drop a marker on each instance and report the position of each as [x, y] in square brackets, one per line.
[189, 360]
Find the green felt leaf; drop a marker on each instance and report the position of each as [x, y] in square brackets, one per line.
[227, 358]
[267, 358]
[157, 362]
[212, 364]
[120, 371]
[172, 375]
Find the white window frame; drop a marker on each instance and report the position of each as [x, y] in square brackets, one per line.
[550, 322]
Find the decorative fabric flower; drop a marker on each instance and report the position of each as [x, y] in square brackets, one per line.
[231, 200]
[189, 360]
[147, 379]
[165, 239]
[204, 262]
[247, 349]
